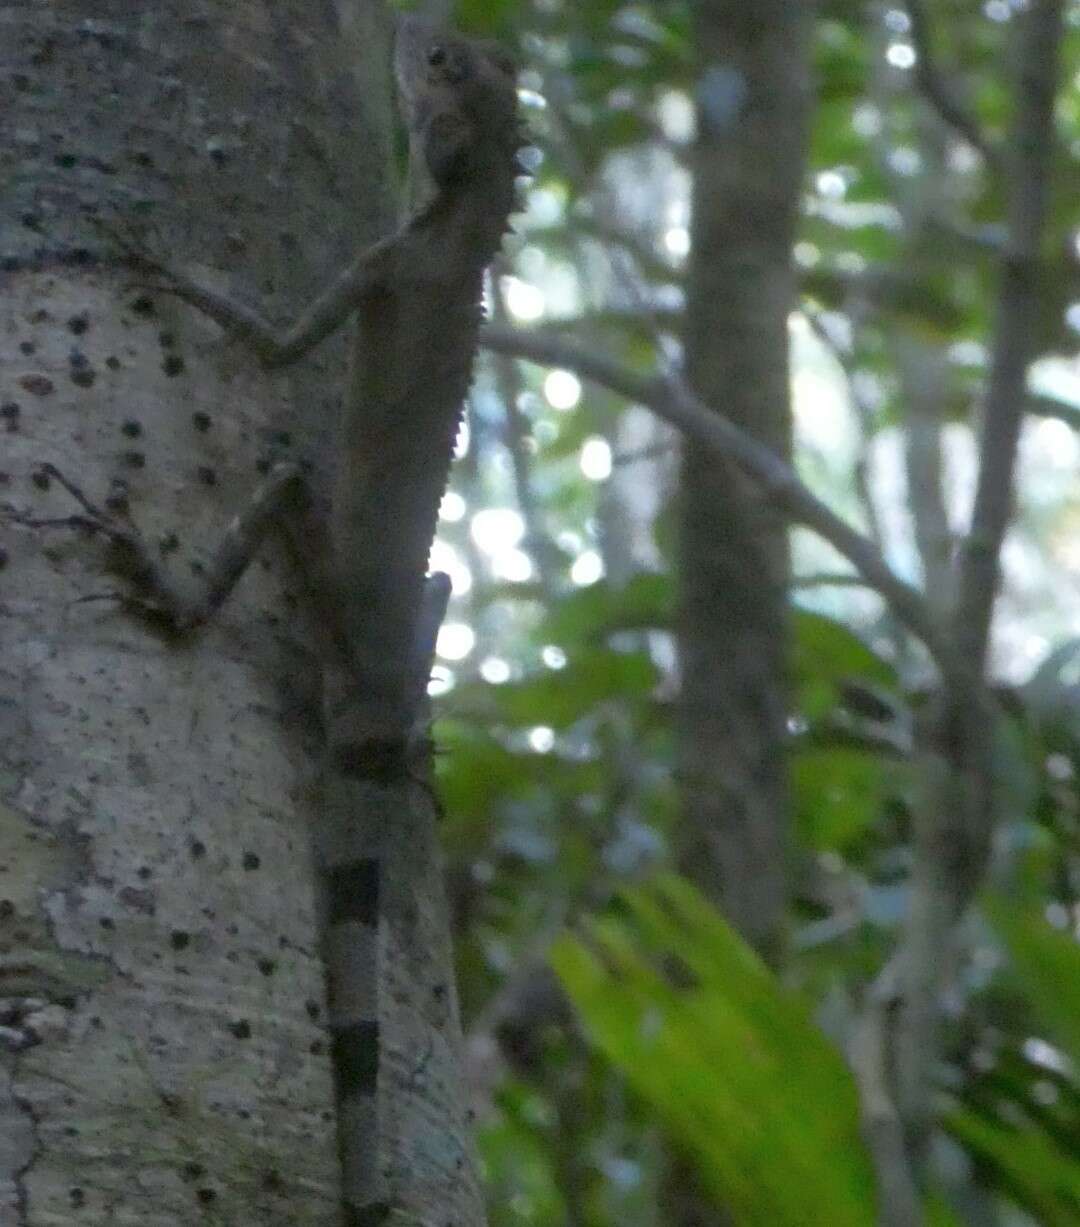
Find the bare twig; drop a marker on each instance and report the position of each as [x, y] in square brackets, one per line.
[671, 400]
[954, 824]
[937, 90]
[1031, 152]
[882, 1127]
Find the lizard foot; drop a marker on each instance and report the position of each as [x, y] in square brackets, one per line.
[132, 558]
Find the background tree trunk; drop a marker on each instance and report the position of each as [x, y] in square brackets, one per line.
[752, 113]
[160, 987]
[753, 108]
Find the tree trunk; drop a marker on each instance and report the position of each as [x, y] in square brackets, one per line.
[161, 996]
[753, 106]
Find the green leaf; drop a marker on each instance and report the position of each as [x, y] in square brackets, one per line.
[588, 615]
[484, 16]
[1042, 1179]
[839, 793]
[559, 698]
[730, 1061]
[826, 654]
[1046, 961]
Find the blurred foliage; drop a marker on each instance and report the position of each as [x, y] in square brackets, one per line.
[728, 1060]
[558, 762]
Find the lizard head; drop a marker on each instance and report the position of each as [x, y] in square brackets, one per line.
[459, 98]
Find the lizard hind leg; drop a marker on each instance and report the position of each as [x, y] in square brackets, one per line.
[158, 598]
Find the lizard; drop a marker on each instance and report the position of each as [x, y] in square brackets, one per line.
[416, 298]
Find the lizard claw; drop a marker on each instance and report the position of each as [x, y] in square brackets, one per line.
[146, 610]
[134, 252]
[132, 558]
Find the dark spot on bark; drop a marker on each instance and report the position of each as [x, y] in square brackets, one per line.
[7, 909]
[201, 421]
[78, 324]
[44, 54]
[206, 1196]
[241, 1029]
[438, 991]
[66, 160]
[117, 498]
[282, 438]
[207, 475]
[251, 861]
[3, 558]
[193, 1171]
[31, 221]
[266, 967]
[272, 1181]
[145, 872]
[198, 849]
[21, 82]
[139, 899]
[262, 466]
[196, 567]
[10, 411]
[40, 316]
[316, 1048]
[78, 359]
[27, 347]
[83, 378]
[107, 922]
[166, 340]
[169, 543]
[131, 429]
[142, 157]
[37, 385]
[77, 1198]
[40, 479]
[173, 365]
[134, 460]
[112, 362]
[179, 940]
[312, 1008]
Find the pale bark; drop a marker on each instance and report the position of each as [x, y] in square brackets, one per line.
[162, 1051]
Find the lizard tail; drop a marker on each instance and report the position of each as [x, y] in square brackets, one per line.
[350, 888]
[349, 847]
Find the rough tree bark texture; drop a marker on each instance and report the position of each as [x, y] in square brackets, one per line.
[162, 1053]
[753, 106]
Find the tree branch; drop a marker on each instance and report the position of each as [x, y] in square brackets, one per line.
[954, 821]
[671, 400]
[939, 93]
[1031, 152]
[882, 1127]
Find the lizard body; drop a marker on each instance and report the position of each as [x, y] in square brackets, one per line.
[417, 300]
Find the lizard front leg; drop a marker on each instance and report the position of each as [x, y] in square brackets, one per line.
[273, 347]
